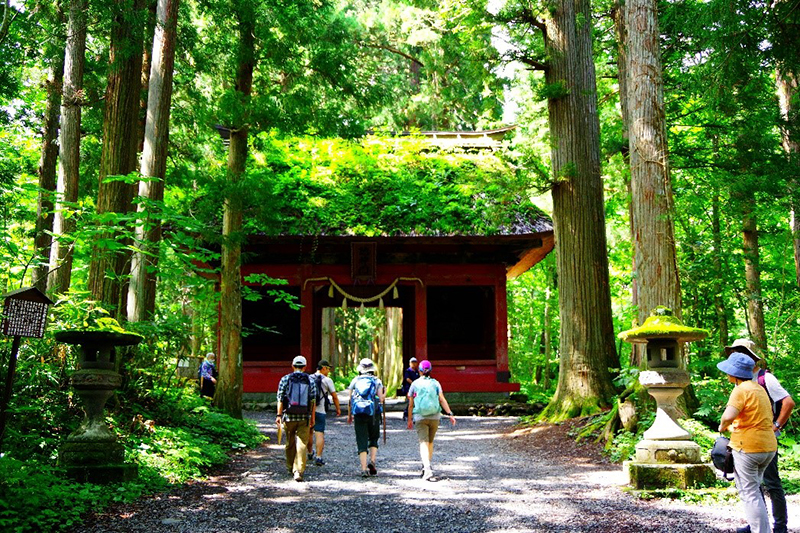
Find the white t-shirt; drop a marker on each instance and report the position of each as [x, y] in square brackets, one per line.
[774, 388]
[327, 388]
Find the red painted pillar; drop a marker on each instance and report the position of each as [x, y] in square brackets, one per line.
[420, 322]
[501, 321]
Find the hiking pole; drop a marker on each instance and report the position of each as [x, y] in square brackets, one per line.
[383, 415]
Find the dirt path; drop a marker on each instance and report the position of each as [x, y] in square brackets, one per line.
[492, 480]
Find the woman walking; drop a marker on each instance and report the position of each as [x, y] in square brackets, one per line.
[749, 417]
[425, 403]
[367, 396]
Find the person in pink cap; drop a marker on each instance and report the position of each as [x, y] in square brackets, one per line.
[425, 404]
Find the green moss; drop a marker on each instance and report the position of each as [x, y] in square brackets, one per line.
[663, 324]
[567, 408]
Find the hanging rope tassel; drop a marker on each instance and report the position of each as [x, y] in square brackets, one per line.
[380, 303]
[330, 291]
[395, 293]
[344, 303]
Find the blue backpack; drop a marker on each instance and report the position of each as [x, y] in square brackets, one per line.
[363, 398]
[426, 401]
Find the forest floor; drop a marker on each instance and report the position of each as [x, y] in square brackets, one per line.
[493, 477]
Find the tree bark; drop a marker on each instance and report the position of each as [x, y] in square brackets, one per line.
[651, 187]
[228, 396]
[142, 288]
[587, 348]
[48, 180]
[120, 143]
[787, 83]
[69, 145]
[752, 271]
[719, 301]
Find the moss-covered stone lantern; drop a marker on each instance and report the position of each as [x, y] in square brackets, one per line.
[92, 453]
[667, 456]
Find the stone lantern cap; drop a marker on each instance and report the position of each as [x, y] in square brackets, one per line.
[662, 324]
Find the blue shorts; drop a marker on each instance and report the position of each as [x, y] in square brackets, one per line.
[319, 422]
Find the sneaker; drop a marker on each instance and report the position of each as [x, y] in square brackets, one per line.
[427, 475]
[745, 529]
[372, 470]
[310, 455]
[298, 476]
[365, 473]
[319, 461]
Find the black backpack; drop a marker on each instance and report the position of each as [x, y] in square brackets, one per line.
[322, 395]
[295, 395]
[722, 457]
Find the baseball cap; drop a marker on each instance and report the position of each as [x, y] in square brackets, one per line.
[299, 361]
[323, 363]
[412, 360]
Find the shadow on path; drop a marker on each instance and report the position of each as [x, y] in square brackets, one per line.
[486, 485]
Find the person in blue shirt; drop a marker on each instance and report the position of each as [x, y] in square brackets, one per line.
[409, 376]
[208, 376]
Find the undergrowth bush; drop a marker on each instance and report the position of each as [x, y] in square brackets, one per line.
[171, 433]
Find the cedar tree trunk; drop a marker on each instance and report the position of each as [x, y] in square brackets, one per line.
[142, 288]
[587, 348]
[69, 144]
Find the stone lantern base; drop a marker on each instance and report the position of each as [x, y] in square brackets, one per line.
[662, 464]
[96, 462]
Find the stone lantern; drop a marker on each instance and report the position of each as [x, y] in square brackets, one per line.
[91, 453]
[667, 456]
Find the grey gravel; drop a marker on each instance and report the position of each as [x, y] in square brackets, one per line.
[486, 485]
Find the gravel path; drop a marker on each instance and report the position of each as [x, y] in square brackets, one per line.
[489, 482]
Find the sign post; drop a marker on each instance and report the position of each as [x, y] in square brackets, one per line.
[24, 315]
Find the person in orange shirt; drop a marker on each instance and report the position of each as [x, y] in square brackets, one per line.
[748, 415]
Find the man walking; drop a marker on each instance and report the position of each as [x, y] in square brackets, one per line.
[782, 406]
[297, 397]
[324, 386]
[410, 375]
[425, 403]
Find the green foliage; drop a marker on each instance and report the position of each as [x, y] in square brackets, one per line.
[165, 427]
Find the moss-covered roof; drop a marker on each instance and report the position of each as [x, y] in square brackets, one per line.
[662, 324]
[388, 187]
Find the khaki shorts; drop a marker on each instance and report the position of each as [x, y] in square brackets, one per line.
[426, 429]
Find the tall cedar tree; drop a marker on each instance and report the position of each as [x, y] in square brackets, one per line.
[69, 143]
[228, 396]
[47, 171]
[656, 267]
[142, 288]
[110, 257]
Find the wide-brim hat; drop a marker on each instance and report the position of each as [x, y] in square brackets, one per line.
[365, 366]
[745, 346]
[738, 365]
[299, 361]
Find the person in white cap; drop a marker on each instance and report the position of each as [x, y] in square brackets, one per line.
[297, 398]
[782, 406]
[367, 395]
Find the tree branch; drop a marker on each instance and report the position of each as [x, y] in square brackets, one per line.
[394, 51]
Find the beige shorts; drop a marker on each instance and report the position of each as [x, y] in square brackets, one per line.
[426, 429]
